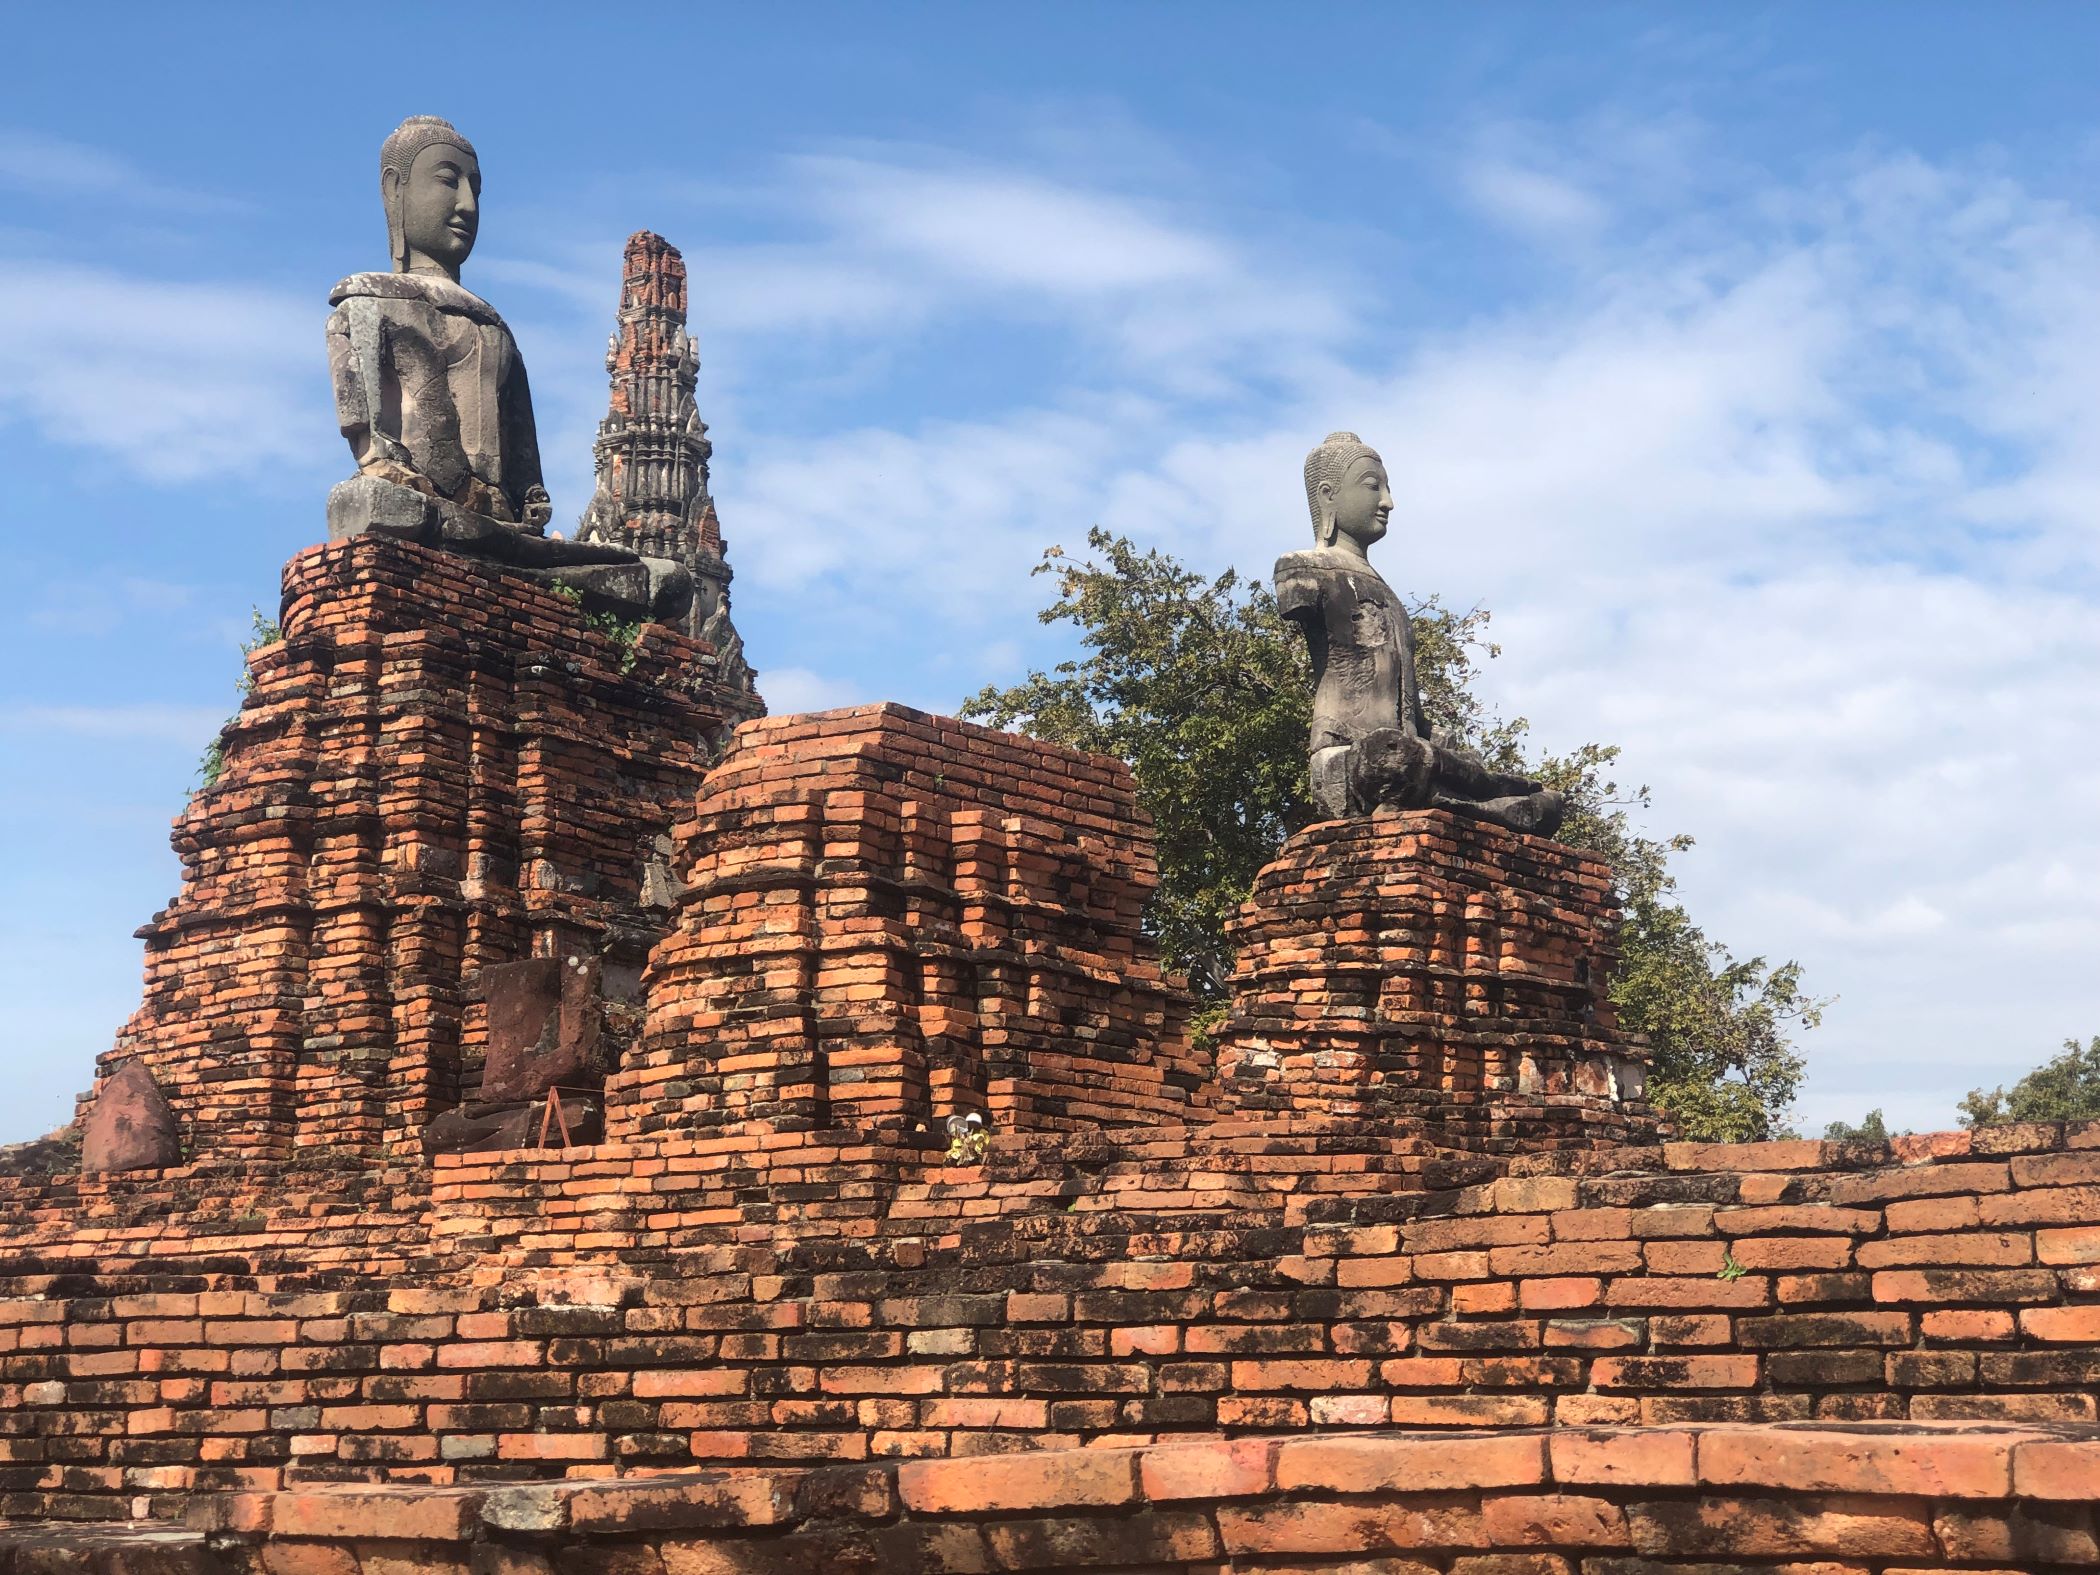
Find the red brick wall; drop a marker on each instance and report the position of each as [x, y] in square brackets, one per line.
[892, 917]
[439, 767]
[1894, 1500]
[1429, 968]
[784, 1298]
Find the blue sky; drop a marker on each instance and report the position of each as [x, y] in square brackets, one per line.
[1744, 360]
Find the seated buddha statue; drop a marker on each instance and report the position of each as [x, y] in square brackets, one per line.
[429, 388]
[1372, 747]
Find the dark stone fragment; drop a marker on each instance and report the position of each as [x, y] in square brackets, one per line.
[543, 1016]
[488, 1129]
[129, 1126]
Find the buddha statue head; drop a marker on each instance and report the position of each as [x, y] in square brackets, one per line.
[430, 181]
[1346, 489]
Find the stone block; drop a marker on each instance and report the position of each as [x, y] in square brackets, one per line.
[129, 1124]
[543, 1027]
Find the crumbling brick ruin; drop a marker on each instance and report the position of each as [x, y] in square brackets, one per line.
[1429, 967]
[438, 768]
[545, 1145]
[770, 1267]
[891, 919]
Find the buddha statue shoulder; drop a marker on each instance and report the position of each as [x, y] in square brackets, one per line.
[430, 390]
[1372, 745]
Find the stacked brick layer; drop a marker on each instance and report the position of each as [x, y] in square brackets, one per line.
[1890, 1500]
[1815, 1501]
[890, 918]
[1428, 967]
[779, 1299]
[440, 766]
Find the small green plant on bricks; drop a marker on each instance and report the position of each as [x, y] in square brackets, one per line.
[623, 635]
[266, 632]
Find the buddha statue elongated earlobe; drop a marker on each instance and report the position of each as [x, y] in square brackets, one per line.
[391, 182]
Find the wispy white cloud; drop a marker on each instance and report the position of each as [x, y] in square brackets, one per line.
[878, 242]
[1530, 200]
[176, 381]
[48, 166]
[1001, 228]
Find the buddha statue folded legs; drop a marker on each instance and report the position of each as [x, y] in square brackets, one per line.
[431, 395]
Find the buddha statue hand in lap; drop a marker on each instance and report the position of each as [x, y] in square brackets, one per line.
[1372, 747]
[429, 387]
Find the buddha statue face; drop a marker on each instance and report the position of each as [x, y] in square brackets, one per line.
[1345, 487]
[1362, 502]
[440, 208]
[430, 181]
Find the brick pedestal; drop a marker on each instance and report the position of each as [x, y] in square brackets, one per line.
[1426, 967]
[892, 917]
[439, 767]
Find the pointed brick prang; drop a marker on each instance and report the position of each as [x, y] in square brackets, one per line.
[652, 451]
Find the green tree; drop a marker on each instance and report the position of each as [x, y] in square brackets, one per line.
[2066, 1088]
[1205, 690]
[1872, 1129]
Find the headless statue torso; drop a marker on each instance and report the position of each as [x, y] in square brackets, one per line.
[1362, 645]
[1371, 744]
[430, 391]
[1362, 649]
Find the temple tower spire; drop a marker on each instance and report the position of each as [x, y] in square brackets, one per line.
[652, 450]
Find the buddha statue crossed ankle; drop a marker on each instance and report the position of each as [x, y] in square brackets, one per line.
[1372, 747]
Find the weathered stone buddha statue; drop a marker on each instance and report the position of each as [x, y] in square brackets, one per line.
[1371, 745]
[429, 386]
[430, 392]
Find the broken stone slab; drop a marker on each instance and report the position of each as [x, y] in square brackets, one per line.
[129, 1125]
[612, 587]
[612, 579]
[494, 1128]
[543, 1017]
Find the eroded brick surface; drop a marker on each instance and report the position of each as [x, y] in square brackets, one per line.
[1427, 967]
[440, 767]
[1381, 1502]
[891, 918]
[805, 1298]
